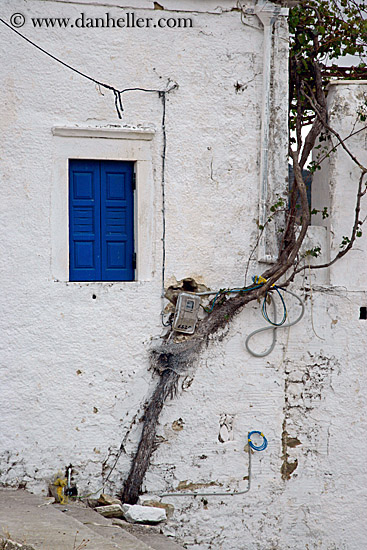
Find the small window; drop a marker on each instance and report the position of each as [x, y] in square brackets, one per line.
[101, 220]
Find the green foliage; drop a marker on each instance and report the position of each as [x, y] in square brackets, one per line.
[313, 166]
[359, 229]
[322, 31]
[324, 212]
[277, 205]
[314, 252]
[345, 242]
[362, 111]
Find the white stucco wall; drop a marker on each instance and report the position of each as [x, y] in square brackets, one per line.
[74, 372]
[337, 181]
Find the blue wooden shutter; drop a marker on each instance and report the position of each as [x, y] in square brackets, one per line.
[117, 221]
[84, 220]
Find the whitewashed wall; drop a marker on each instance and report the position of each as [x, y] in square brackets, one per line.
[74, 369]
[337, 181]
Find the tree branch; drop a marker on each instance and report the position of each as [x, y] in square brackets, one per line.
[337, 145]
[356, 225]
[336, 134]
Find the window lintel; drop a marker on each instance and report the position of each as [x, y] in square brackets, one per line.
[106, 132]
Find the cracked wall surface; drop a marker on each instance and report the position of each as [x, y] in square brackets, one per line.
[74, 365]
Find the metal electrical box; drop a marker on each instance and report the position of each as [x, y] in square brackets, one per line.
[186, 315]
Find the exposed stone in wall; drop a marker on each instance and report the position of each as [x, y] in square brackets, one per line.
[304, 385]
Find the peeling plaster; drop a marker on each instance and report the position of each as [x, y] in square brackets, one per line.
[65, 353]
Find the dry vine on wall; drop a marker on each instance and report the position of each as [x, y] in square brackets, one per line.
[313, 36]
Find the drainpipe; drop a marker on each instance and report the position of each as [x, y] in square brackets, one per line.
[268, 14]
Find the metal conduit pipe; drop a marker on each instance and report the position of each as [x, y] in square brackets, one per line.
[215, 493]
[250, 447]
[267, 14]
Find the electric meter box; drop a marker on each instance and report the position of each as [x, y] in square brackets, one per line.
[186, 315]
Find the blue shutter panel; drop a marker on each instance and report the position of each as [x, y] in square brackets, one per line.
[117, 221]
[84, 220]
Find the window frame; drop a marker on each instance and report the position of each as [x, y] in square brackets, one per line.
[104, 143]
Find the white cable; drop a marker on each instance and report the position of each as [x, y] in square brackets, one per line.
[271, 327]
[219, 494]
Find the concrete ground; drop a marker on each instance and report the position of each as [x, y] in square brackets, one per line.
[39, 525]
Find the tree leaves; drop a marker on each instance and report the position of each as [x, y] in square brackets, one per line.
[322, 31]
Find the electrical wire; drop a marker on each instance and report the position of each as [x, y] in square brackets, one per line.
[163, 191]
[117, 93]
[112, 468]
[263, 445]
[259, 281]
[223, 292]
[274, 328]
[119, 110]
[164, 323]
[215, 493]
[274, 336]
[121, 449]
[162, 95]
[250, 446]
[265, 313]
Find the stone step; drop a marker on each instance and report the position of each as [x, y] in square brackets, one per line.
[31, 520]
[111, 528]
